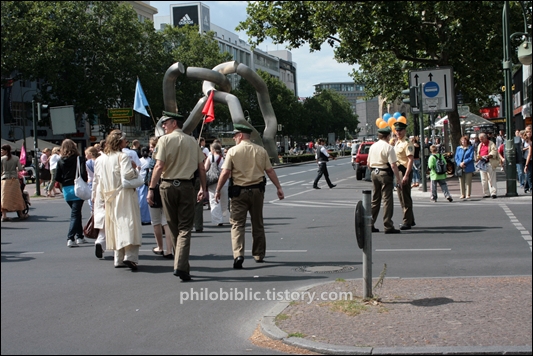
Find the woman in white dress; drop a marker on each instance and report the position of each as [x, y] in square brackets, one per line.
[218, 209]
[123, 228]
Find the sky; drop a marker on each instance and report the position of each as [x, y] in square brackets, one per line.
[312, 68]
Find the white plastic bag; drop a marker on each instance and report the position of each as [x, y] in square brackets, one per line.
[81, 188]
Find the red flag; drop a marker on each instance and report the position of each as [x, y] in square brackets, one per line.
[23, 156]
[209, 108]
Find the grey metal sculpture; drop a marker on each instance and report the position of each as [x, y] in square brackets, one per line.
[217, 76]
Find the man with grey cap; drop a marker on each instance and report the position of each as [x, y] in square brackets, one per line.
[246, 163]
[405, 152]
[177, 157]
[382, 162]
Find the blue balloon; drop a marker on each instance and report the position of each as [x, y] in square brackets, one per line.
[386, 117]
[397, 114]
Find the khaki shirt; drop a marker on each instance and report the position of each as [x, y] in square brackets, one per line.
[247, 162]
[380, 154]
[403, 149]
[180, 153]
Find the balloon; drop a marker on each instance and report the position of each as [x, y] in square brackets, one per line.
[397, 114]
[386, 117]
[378, 120]
[402, 119]
[391, 121]
[382, 124]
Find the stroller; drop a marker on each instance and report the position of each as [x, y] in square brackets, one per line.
[25, 196]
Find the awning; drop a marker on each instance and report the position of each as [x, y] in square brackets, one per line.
[11, 143]
[30, 144]
[467, 120]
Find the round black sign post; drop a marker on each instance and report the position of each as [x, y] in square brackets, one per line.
[359, 225]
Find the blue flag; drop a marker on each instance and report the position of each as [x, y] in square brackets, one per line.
[140, 103]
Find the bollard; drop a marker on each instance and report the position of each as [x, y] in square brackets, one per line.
[367, 249]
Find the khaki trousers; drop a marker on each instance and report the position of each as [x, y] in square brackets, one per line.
[249, 200]
[465, 184]
[178, 205]
[488, 181]
[404, 195]
[383, 187]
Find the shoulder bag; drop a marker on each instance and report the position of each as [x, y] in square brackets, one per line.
[134, 182]
[213, 173]
[81, 188]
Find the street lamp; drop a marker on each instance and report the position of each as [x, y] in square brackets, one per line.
[510, 158]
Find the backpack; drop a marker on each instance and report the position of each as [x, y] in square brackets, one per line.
[149, 170]
[214, 172]
[441, 164]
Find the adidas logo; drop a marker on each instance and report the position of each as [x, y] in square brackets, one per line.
[185, 20]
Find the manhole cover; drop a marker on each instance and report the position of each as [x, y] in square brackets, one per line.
[324, 269]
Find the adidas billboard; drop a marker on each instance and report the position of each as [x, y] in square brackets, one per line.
[191, 14]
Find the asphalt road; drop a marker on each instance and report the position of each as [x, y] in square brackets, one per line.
[57, 300]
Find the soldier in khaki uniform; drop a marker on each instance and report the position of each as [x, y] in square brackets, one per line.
[178, 156]
[382, 162]
[247, 164]
[405, 151]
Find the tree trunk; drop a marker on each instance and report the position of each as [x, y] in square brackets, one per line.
[455, 128]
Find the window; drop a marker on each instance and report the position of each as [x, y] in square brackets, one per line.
[17, 109]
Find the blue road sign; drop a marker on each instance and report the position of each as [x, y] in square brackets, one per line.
[431, 89]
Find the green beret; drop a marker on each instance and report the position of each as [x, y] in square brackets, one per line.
[167, 115]
[241, 128]
[385, 131]
[399, 125]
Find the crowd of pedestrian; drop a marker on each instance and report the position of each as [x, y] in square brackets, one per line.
[173, 168]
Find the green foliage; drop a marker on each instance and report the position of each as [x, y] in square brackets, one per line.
[89, 53]
[388, 38]
[328, 111]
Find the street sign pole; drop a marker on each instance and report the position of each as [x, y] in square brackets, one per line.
[421, 124]
[36, 159]
[367, 249]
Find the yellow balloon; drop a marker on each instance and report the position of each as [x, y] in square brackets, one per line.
[391, 121]
[378, 120]
[402, 119]
[382, 124]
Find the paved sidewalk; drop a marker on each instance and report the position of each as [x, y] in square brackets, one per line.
[477, 315]
[477, 191]
[485, 315]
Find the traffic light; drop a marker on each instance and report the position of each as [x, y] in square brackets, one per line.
[45, 111]
[43, 114]
[413, 96]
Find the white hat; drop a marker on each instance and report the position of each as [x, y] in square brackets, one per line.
[473, 136]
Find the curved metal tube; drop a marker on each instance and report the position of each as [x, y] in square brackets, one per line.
[269, 134]
[271, 123]
[207, 75]
[169, 86]
[217, 76]
[169, 93]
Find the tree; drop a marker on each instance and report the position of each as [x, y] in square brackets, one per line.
[90, 53]
[82, 52]
[328, 111]
[387, 38]
[284, 103]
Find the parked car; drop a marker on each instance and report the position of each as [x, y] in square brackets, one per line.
[355, 147]
[360, 159]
